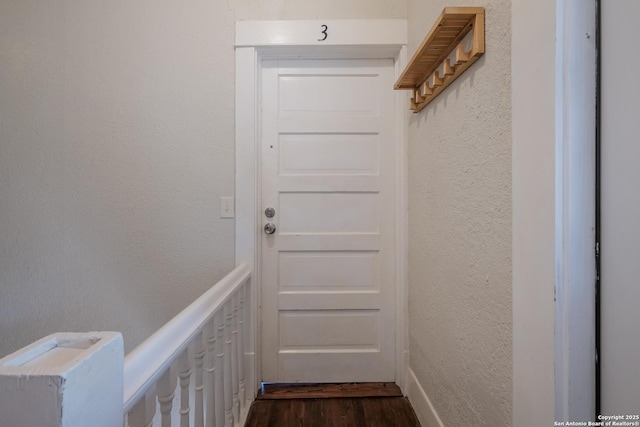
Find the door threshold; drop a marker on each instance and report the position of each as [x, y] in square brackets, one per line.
[274, 391]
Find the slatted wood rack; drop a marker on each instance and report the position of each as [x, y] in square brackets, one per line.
[431, 70]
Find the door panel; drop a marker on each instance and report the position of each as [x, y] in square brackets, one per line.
[341, 154]
[325, 330]
[303, 94]
[328, 270]
[327, 212]
[328, 291]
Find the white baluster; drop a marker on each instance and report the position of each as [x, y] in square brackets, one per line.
[210, 333]
[228, 388]
[234, 357]
[142, 413]
[219, 377]
[166, 392]
[199, 356]
[184, 372]
[241, 335]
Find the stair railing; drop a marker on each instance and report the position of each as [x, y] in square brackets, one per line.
[193, 369]
[204, 341]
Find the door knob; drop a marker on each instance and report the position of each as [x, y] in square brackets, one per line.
[269, 228]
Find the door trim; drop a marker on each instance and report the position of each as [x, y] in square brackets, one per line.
[549, 173]
[257, 40]
[575, 210]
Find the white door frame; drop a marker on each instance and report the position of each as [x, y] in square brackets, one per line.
[553, 171]
[256, 40]
[575, 376]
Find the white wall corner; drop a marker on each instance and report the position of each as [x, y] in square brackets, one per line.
[246, 187]
[423, 407]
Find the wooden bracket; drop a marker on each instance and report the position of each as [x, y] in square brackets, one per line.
[422, 75]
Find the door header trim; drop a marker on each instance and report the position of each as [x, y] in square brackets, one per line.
[343, 32]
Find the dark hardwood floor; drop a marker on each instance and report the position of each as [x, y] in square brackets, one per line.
[332, 405]
[321, 391]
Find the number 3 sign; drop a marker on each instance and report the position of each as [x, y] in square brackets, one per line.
[324, 33]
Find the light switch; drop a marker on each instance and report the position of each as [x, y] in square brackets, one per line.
[227, 207]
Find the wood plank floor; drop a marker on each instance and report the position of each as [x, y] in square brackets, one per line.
[331, 411]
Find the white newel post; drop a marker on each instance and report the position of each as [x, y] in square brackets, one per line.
[64, 380]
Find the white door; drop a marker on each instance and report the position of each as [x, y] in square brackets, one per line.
[620, 211]
[328, 168]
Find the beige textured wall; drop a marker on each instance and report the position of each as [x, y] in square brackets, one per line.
[335, 9]
[116, 134]
[116, 143]
[460, 314]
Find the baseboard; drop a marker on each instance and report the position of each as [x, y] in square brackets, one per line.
[425, 411]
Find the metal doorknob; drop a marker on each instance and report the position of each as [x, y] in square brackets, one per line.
[269, 228]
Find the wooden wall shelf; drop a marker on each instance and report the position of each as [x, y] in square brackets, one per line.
[422, 74]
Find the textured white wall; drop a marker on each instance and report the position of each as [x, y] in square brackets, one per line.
[460, 231]
[116, 142]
